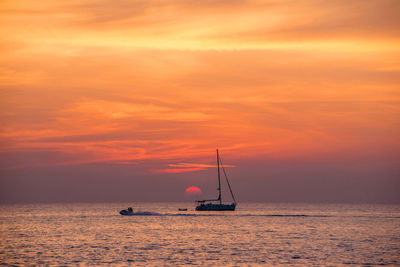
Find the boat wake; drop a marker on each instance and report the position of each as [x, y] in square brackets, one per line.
[144, 213]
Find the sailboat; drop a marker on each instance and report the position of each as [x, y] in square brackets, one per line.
[209, 204]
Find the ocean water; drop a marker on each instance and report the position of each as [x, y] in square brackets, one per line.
[254, 234]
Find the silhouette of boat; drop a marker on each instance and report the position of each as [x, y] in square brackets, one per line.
[208, 205]
[128, 211]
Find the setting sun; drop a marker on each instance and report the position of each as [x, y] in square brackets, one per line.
[193, 191]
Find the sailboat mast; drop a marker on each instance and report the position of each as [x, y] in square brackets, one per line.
[219, 180]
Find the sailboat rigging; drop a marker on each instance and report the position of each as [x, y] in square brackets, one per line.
[208, 205]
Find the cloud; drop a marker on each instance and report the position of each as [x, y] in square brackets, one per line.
[180, 170]
[200, 165]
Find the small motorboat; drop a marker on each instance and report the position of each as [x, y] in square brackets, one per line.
[182, 209]
[128, 211]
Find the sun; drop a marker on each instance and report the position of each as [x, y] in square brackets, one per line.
[193, 191]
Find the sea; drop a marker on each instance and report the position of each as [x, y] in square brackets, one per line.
[256, 234]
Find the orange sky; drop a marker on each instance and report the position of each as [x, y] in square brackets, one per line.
[123, 82]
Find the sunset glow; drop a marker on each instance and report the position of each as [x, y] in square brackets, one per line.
[153, 84]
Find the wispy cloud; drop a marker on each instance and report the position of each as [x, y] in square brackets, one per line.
[336, 25]
[196, 165]
[180, 170]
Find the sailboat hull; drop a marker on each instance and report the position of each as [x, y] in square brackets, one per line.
[215, 207]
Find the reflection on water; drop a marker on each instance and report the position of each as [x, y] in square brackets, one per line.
[72, 234]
